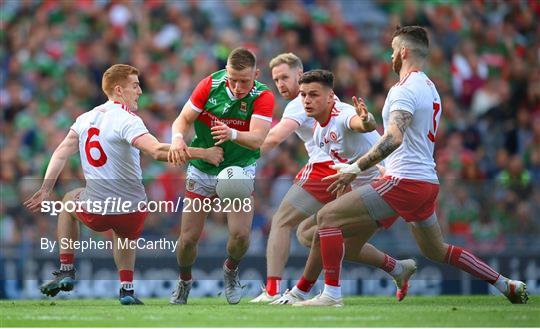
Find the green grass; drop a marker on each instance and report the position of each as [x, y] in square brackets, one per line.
[444, 311]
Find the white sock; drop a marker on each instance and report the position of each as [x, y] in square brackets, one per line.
[332, 291]
[127, 285]
[501, 284]
[299, 293]
[398, 269]
[66, 267]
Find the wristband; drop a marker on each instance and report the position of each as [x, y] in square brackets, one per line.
[234, 134]
[177, 135]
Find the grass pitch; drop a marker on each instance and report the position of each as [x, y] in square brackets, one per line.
[441, 311]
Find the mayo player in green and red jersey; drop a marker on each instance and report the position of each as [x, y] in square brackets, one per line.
[231, 110]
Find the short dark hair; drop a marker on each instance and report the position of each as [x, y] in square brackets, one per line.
[241, 58]
[415, 38]
[324, 77]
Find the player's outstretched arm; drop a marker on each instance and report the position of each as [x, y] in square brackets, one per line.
[252, 139]
[364, 121]
[212, 155]
[278, 134]
[179, 152]
[68, 147]
[149, 144]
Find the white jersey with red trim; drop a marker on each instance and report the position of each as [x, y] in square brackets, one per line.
[344, 145]
[295, 111]
[416, 94]
[111, 165]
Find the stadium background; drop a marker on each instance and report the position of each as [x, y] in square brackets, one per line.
[484, 60]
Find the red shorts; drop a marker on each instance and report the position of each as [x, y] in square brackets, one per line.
[309, 178]
[411, 199]
[125, 225]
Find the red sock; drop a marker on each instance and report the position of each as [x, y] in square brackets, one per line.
[126, 279]
[66, 262]
[388, 264]
[66, 259]
[469, 263]
[185, 273]
[272, 285]
[332, 251]
[304, 284]
[231, 263]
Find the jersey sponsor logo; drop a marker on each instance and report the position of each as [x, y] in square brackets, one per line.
[210, 120]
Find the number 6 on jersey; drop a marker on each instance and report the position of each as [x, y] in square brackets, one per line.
[88, 145]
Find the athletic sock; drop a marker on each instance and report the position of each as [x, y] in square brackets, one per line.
[332, 291]
[185, 273]
[469, 263]
[272, 285]
[332, 251]
[300, 293]
[231, 264]
[501, 284]
[391, 266]
[126, 279]
[66, 262]
[304, 285]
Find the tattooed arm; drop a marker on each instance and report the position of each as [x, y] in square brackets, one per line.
[389, 142]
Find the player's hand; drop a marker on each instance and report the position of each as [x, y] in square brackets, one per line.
[214, 155]
[178, 152]
[346, 173]
[34, 203]
[221, 132]
[361, 108]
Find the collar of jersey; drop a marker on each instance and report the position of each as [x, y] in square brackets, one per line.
[229, 92]
[124, 106]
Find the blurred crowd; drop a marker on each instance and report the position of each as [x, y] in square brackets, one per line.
[485, 62]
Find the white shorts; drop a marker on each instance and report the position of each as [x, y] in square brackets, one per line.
[202, 185]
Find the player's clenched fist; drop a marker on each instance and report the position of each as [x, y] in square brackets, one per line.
[178, 152]
[222, 133]
[214, 155]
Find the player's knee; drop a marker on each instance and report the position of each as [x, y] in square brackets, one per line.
[303, 236]
[187, 242]
[240, 237]
[326, 217]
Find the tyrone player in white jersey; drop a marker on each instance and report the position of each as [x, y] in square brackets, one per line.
[410, 186]
[344, 133]
[109, 139]
[308, 193]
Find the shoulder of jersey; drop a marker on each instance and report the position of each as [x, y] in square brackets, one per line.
[119, 111]
[411, 79]
[295, 104]
[341, 107]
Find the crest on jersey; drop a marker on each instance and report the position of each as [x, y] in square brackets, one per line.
[190, 185]
[333, 136]
[243, 106]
